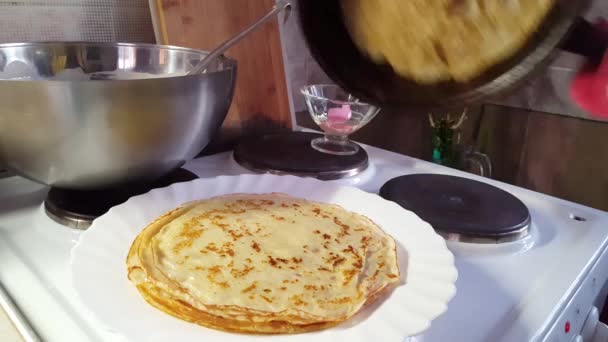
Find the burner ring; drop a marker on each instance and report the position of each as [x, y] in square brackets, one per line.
[322, 175]
[522, 233]
[78, 208]
[66, 217]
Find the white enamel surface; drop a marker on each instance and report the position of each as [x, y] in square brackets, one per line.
[7, 330]
[100, 277]
[508, 293]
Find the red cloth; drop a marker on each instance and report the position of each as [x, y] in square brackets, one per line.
[590, 86]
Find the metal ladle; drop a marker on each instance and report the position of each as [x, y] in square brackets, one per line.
[220, 50]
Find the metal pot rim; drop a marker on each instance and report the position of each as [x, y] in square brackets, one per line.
[230, 64]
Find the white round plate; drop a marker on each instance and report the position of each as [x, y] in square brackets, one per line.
[99, 272]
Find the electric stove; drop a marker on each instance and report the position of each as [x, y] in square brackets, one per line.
[544, 283]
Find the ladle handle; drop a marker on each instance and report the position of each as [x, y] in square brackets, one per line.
[204, 63]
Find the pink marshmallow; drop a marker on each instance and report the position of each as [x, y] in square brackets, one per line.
[339, 115]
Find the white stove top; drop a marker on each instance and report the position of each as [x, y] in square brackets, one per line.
[521, 291]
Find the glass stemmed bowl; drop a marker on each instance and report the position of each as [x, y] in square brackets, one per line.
[339, 114]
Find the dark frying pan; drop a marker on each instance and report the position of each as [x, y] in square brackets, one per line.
[333, 49]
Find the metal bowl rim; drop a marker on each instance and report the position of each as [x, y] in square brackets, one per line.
[232, 63]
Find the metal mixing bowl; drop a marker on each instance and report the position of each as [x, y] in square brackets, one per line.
[91, 115]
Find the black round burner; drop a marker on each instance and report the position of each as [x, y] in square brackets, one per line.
[459, 208]
[78, 208]
[291, 153]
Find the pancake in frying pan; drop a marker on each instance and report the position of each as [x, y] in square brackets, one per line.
[431, 41]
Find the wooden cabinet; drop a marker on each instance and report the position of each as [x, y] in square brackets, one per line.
[261, 102]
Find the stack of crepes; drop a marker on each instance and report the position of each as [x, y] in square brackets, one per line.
[262, 263]
[431, 41]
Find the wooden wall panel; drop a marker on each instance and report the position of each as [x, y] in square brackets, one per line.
[560, 156]
[502, 137]
[409, 134]
[261, 102]
[567, 158]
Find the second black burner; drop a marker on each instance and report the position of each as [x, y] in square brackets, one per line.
[460, 208]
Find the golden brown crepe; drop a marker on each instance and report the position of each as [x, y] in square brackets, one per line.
[262, 263]
[430, 41]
